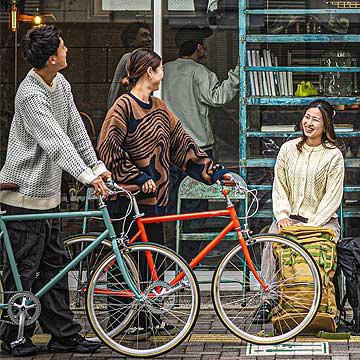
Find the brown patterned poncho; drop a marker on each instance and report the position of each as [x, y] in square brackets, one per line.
[138, 141]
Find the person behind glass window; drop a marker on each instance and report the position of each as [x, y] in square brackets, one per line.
[135, 35]
[190, 89]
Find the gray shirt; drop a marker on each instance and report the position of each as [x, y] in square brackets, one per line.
[115, 88]
[190, 89]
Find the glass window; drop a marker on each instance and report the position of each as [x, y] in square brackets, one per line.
[221, 55]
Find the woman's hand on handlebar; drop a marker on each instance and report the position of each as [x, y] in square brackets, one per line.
[226, 176]
[148, 186]
[99, 186]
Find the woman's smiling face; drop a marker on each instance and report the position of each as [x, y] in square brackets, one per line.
[313, 124]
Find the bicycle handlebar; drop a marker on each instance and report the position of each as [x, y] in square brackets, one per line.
[125, 189]
[227, 182]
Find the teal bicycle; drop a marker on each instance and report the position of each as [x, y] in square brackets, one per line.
[121, 292]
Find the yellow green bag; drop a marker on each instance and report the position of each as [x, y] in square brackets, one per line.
[305, 89]
[322, 246]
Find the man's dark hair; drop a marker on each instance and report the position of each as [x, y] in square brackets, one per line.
[189, 47]
[130, 32]
[39, 44]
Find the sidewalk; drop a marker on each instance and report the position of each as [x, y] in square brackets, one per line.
[211, 341]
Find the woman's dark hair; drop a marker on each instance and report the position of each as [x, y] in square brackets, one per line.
[139, 61]
[328, 113]
[39, 44]
[130, 32]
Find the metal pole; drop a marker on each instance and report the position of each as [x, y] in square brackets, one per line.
[158, 33]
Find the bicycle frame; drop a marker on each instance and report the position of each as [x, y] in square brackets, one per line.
[234, 224]
[108, 233]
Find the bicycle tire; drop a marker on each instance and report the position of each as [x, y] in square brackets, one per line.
[78, 282]
[236, 300]
[179, 309]
[2, 294]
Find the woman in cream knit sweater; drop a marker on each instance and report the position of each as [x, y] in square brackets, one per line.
[308, 183]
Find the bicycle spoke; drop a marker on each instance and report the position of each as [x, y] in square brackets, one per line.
[158, 321]
[238, 296]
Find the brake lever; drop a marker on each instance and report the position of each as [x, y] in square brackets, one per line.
[113, 186]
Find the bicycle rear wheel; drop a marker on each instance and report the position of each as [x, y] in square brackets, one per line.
[167, 312]
[237, 295]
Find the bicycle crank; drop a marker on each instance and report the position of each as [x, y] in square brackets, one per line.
[157, 297]
[24, 307]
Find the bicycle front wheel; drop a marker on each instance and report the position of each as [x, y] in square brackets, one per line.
[294, 290]
[78, 277]
[164, 315]
[2, 294]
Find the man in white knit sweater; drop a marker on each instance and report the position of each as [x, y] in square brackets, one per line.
[47, 136]
[308, 183]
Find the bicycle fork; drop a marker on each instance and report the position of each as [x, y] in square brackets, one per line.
[237, 228]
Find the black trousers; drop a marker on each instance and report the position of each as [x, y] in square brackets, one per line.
[40, 254]
[176, 176]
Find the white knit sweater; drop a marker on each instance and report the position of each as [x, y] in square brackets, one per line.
[308, 183]
[47, 136]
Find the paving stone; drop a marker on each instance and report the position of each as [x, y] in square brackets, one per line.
[210, 356]
[105, 354]
[64, 356]
[191, 348]
[230, 354]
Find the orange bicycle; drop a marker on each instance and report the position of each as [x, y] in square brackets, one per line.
[239, 285]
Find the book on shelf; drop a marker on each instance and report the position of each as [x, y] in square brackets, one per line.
[251, 75]
[255, 73]
[276, 76]
[257, 64]
[290, 83]
[267, 59]
[263, 75]
[286, 91]
[277, 127]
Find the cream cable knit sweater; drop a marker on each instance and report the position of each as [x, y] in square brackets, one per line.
[308, 183]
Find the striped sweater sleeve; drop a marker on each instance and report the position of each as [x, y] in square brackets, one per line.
[186, 154]
[112, 152]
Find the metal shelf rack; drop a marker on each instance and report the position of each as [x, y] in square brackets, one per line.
[245, 100]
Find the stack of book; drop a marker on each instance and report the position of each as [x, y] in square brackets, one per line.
[343, 127]
[277, 128]
[268, 83]
[289, 128]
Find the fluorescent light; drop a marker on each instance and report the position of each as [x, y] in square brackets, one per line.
[126, 5]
